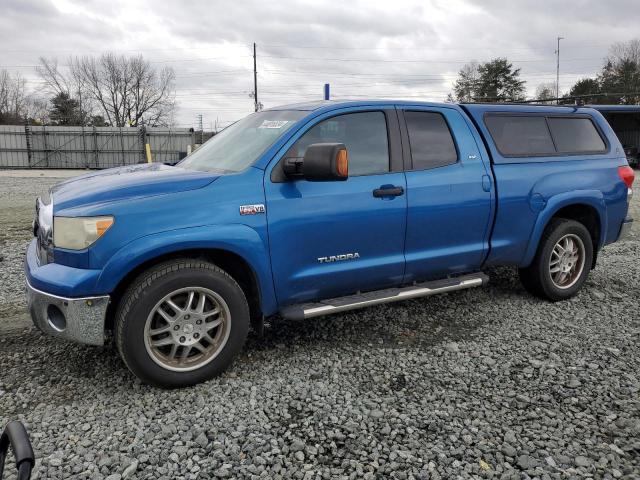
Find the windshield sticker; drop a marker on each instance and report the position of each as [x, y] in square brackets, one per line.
[273, 123]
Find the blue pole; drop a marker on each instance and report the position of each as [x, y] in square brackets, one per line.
[326, 91]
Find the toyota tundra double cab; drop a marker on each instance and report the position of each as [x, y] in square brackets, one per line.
[314, 209]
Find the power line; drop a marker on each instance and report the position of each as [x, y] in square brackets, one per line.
[335, 59]
[196, 59]
[374, 60]
[179, 60]
[387, 75]
[430, 48]
[580, 97]
[296, 47]
[216, 72]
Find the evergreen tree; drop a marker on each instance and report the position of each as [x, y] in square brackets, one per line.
[65, 110]
[621, 80]
[586, 86]
[493, 81]
[499, 82]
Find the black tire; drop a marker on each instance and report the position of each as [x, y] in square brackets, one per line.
[144, 294]
[537, 279]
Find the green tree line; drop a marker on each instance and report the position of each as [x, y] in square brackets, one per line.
[496, 80]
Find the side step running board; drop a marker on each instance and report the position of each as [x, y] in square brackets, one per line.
[361, 300]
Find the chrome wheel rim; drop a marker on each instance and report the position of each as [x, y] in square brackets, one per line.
[567, 261]
[187, 329]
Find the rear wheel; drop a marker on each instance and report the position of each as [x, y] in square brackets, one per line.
[561, 264]
[180, 323]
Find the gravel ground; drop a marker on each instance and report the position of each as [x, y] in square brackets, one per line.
[487, 383]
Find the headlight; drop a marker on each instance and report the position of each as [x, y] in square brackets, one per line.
[77, 233]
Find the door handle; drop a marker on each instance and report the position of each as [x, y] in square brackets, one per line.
[486, 183]
[388, 192]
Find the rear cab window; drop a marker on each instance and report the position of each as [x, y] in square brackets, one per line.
[430, 140]
[575, 135]
[537, 135]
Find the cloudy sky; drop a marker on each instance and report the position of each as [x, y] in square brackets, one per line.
[386, 49]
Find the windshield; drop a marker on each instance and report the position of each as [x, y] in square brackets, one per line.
[239, 145]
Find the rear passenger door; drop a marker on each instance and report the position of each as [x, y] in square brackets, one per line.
[449, 194]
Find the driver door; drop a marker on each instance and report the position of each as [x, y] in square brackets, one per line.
[334, 238]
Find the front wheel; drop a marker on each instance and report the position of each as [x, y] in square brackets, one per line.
[181, 323]
[562, 262]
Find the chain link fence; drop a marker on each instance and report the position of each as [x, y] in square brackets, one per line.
[90, 147]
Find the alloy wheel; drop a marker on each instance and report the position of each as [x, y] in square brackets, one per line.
[567, 261]
[187, 329]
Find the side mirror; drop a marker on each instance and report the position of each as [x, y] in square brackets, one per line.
[321, 162]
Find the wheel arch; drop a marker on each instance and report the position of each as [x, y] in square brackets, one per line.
[230, 262]
[587, 209]
[242, 255]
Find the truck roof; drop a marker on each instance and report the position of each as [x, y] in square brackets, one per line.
[316, 105]
[524, 108]
[484, 107]
[616, 108]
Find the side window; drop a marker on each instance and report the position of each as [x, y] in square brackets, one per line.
[364, 134]
[575, 135]
[430, 140]
[520, 135]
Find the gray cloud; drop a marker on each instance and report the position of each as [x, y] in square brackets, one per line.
[373, 48]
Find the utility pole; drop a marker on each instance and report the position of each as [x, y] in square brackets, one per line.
[255, 78]
[201, 127]
[558, 71]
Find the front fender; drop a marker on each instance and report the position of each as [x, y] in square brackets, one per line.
[553, 204]
[240, 239]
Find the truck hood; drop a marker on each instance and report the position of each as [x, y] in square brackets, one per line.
[127, 182]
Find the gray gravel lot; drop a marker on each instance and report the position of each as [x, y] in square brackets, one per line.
[482, 383]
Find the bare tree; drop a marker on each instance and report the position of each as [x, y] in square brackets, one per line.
[62, 83]
[13, 98]
[466, 86]
[545, 92]
[625, 51]
[57, 80]
[36, 110]
[126, 91]
[620, 76]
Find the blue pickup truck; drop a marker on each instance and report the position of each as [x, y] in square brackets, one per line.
[319, 208]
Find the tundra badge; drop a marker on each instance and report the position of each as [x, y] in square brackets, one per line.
[339, 258]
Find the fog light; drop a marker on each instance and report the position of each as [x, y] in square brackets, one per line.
[56, 318]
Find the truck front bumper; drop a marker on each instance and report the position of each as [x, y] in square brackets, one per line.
[54, 311]
[81, 320]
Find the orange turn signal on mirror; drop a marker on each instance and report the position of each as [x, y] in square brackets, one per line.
[342, 163]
